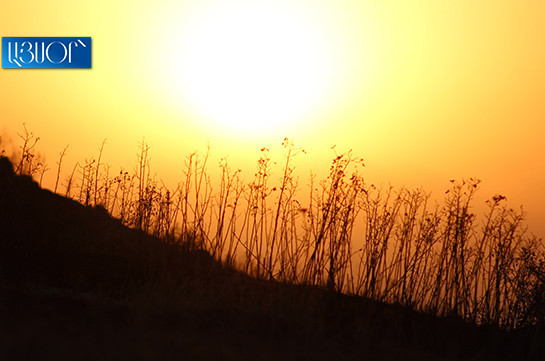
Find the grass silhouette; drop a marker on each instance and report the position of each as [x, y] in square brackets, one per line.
[248, 272]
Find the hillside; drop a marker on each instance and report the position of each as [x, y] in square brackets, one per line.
[76, 284]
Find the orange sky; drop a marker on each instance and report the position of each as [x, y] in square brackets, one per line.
[424, 91]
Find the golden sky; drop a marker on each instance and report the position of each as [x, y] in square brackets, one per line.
[424, 91]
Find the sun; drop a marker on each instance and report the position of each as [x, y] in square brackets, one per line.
[250, 67]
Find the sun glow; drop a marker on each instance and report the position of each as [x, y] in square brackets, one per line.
[252, 69]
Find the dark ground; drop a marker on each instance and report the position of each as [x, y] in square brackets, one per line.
[77, 285]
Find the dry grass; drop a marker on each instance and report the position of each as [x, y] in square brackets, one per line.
[389, 245]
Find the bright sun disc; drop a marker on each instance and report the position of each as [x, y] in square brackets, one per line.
[250, 68]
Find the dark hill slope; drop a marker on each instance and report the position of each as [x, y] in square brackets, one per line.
[77, 285]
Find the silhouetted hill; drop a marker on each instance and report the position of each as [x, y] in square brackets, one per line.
[75, 284]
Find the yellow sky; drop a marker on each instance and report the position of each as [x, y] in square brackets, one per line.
[424, 91]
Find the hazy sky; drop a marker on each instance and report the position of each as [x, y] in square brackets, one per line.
[424, 91]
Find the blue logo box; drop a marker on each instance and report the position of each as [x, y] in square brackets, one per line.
[46, 52]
